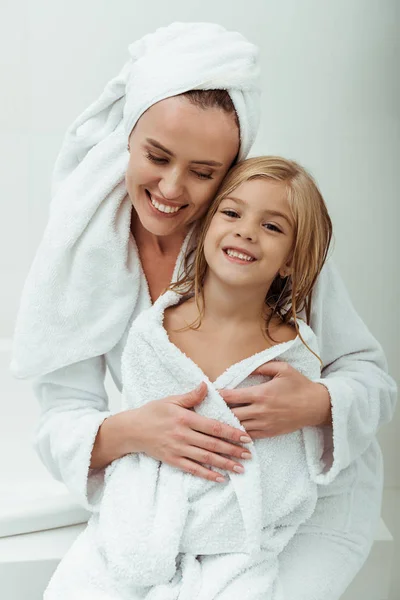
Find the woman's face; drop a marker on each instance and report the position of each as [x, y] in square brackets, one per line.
[179, 155]
[251, 236]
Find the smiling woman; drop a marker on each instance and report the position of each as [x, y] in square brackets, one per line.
[179, 154]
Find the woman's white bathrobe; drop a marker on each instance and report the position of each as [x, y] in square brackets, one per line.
[332, 543]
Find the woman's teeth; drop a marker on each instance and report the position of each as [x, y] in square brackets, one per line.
[236, 254]
[163, 208]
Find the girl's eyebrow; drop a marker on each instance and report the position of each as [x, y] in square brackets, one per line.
[209, 163]
[272, 213]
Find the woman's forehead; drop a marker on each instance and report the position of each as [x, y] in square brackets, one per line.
[186, 129]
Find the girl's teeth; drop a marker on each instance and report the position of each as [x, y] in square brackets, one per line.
[163, 208]
[239, 255]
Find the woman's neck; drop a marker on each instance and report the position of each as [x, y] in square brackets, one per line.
[156, 244]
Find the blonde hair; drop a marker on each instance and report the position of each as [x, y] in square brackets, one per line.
[312, 236]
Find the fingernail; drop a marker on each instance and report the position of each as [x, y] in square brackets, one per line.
[220, 479]
[245, 439]
[246, 455]
[238, 469]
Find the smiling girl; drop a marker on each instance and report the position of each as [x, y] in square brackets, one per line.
[236, 307]
[264, 242]
[262, 245]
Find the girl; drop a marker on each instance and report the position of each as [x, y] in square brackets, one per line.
[258, 254]
[187, 103]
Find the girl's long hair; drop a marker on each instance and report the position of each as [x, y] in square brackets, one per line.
[290, 295]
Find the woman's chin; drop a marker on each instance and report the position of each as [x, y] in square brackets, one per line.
[160, 225]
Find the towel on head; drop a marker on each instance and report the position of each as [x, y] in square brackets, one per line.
[83, 283]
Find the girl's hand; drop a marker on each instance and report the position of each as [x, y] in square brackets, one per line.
[286, 403]
[170, 430]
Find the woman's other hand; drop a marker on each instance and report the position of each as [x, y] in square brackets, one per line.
[286, 403]
[170, 431]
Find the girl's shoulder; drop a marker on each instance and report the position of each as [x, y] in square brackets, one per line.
[181, 312]
[283, 332]
[303, 335]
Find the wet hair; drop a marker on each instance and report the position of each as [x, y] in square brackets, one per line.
[213, 99]
[312, 235]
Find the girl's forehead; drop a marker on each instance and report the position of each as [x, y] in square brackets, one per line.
[260, 189]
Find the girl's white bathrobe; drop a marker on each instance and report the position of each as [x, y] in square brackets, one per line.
[326, 550]
[158, 528]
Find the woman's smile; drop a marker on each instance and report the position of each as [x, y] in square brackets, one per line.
[163, 208]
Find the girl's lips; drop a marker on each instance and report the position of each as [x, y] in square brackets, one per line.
[237, 260]
[239, 251]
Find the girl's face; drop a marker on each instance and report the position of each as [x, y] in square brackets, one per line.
[251, 235]
[179, 154]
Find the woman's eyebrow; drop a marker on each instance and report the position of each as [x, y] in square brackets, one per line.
[159, 146]
[209, 163]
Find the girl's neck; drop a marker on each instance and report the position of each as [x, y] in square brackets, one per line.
[234, 306]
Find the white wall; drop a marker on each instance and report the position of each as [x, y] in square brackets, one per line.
[331, 101]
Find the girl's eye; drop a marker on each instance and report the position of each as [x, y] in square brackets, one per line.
[156, 159]
[230, 213]
[272, 227]
[202, 175]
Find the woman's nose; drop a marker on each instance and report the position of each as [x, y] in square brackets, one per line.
[171, 185]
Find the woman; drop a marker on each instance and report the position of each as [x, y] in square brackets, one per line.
[87, 285]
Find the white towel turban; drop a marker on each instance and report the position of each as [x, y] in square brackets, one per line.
[81, 289]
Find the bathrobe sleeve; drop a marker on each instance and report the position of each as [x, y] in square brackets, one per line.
[362, 394]
[73, 403]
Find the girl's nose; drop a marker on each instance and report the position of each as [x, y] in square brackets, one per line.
[246, 235]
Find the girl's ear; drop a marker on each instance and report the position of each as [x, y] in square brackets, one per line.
[285, 271]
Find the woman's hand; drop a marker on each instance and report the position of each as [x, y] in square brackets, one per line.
[170, 431]
[286, 403]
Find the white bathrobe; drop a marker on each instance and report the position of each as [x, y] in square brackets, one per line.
[156, 523]
[333, 542]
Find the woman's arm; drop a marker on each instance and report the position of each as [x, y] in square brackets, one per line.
[74, 404]
[77, 436]
[362, 394]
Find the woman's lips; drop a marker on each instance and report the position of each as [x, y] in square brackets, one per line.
[164, 208]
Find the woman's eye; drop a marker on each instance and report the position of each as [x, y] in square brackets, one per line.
[156, 159]
[230, 213]
[272, 227]
[202, 175]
